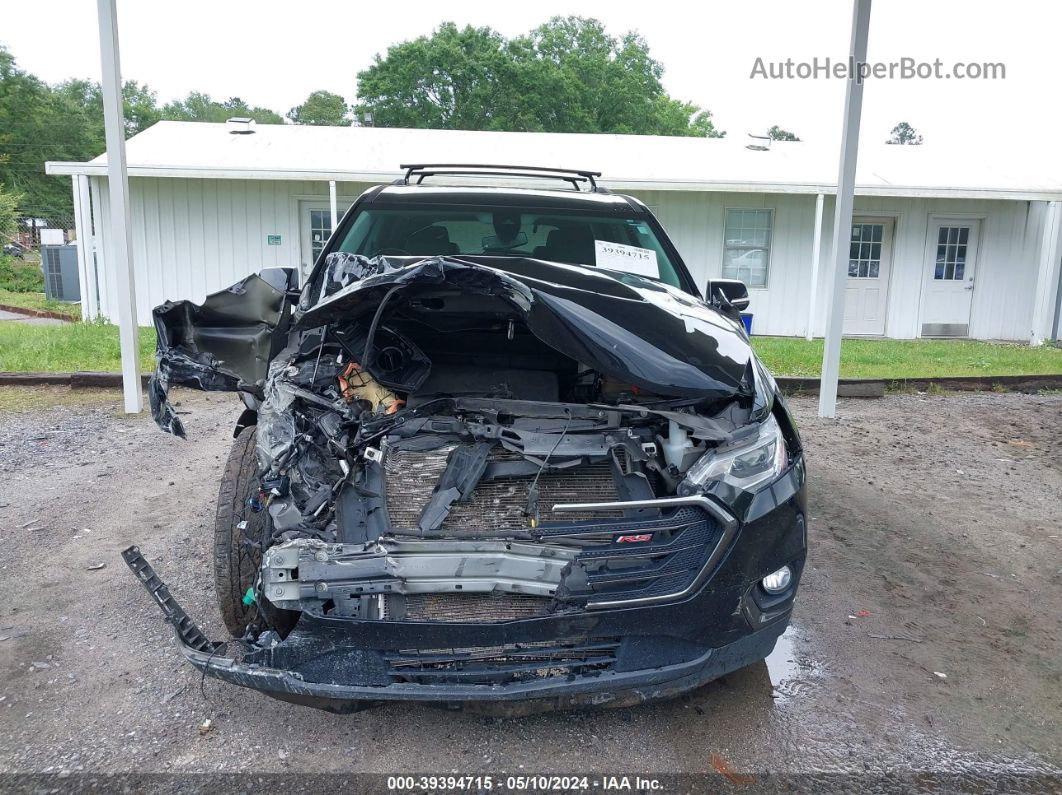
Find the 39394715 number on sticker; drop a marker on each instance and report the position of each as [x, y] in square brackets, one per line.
[629, 259]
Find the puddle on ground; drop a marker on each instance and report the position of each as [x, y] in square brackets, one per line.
[789, 672]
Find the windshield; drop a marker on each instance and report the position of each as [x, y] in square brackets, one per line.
[616, 243]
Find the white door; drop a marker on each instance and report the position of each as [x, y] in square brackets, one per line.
[315, 227]
[869, 265]
[952, 249]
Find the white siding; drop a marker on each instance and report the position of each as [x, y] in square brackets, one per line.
[1006, 268]
[694, 221]
[192, 237]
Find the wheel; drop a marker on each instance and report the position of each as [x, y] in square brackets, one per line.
[238, 551]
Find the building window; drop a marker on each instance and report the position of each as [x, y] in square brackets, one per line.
[864, 253]
[320, 230]
[952, 242]
[747, 246]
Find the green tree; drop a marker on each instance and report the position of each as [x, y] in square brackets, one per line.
[453, 79]
[37, 124]
[84, 97]
[568, 75]
[776, 133]
[198, 106]
[8, 214]
[322, 108]
[904, 134]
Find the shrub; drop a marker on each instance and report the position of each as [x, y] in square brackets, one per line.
[20, 277]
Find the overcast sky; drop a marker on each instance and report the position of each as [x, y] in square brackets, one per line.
[274, 53]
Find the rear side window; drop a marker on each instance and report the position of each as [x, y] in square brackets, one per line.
[625, 244]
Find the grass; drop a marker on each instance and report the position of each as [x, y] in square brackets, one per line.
[900, 359]
[22, 284]
[38, 301]
[94, 346]
[66, 348]
[21, 275]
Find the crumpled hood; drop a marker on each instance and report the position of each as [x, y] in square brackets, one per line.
[633, 329]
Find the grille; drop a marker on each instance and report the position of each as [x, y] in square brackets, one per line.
[482, 608]
[495, 504]
[518, 662]
[682, 540]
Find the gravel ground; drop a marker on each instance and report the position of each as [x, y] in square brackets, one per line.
[935, 537]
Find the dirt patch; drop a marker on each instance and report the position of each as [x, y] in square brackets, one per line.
[942, 517]
[14, 399]
[935, 526]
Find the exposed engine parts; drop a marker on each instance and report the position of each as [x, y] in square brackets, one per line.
[421, 423]
[326, 427]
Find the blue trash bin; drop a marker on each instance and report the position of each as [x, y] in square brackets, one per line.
[746, 318]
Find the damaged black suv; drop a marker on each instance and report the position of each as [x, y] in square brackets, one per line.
[496, 448]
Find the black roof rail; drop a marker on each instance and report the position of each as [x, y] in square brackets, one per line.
[575, 177]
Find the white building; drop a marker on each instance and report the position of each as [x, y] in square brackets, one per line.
[945, 243]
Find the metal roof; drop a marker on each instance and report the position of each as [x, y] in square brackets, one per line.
[628, 162]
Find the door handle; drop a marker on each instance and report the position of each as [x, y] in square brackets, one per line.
[969, 286]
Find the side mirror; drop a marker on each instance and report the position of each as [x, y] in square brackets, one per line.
[727, 294]
[285, 279]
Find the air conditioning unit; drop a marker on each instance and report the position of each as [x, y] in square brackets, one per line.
[59, 264]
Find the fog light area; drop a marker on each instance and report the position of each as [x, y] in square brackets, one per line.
[777, 581]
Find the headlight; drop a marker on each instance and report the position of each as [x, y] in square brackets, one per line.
[746, 464]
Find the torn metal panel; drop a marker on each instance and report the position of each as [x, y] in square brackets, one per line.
[222, 345]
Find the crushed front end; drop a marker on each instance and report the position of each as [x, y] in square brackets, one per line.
[479, 483]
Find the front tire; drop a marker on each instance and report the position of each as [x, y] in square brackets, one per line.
[238, 551]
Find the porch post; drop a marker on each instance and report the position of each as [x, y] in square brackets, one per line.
[92, 218]
[1047, 276]
[84, 247]
[332, 203]
[816, 253]
[118, 185]
[842, 217]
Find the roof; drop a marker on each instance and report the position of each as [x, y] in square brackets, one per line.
[628, 162]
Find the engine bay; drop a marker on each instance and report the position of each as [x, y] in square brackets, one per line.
[433, 433]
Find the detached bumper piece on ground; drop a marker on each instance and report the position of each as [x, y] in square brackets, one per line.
[487, 478]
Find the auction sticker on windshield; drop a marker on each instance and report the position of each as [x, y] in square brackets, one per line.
[630, 259]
